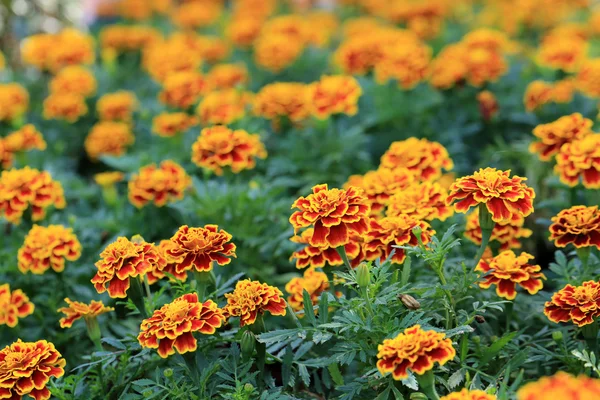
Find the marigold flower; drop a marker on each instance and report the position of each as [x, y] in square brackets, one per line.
[223, 107]
[406, 62]
[277, 52]
[316, 257]
[14, 101]
[381, 184]
[197, 248]
[488, 105]
[283, 100]
[158, 184]
[212, 49]
[554, 134]
[219, 147]
[580, 158]
[386, 233]
[416, 349]
[243, 30]
[294, 26]
[74, 79]
[562, 52]
[107, 179]
[334, 214]
[28, 187]
[561, 386]
[323, 25]
[25, 139]
[183, 89]
[122, 260]
[504, 197]
[6, 155]
[507, 270]
[117, 106]
[334, 94]
[579, 304]
[587, 79]
[506, 233]
[55, 51]
[227, 76]
[171, 124]
[13, 305]
[157, 274]
[126, 38]
[175, 54]
[357, 55]
[579, 225]
[467, 394]
[76, 310]
[314, 282]
[196, 14]
[172, 327]
[67, 106]
[27, 368]
[422, 201]
[423, 158]
[108, 138]
[563, 91]
[251, 299]
[537, 94]
[48, 247]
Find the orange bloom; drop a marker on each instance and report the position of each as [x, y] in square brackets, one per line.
[580, 159]
[334, 94]
[197, 248]
[488, 105]
[25, 139]
[388, 232]
[283, 100]
[423, 158]
[314, 282]
[357, 55]
[251, 299]
[122, 260]
[196, 14]
[381, 184]
[277, 52]
[108, 138]
[107, 179]
[467, 394]
[6, 155]
[294, 26]
[537, 94]
[74, 79]
[334, 214]
[219, 147]
[587, 79]
[505, 198]
[126, 38]
[158, 184]
[243, 30]
[579, 225]
[27, 187]
[562, 52]
[55, 51]
[579, 304]
[183, 89]
[563, 91]
[223, 107]
[76, 310]
[48, 247]
[324, 25]
[416, 349]
[227, 76]
[175, 54]
[507, 270]
[172, 327]
[13, 305]
[561, 386]
[212, 49]
[406, 62]
[422, 201]
[67, 106]
[27, 368]
[157, 274]
[315, 257]
[171, 124]
[14, 101]
[506, 233]
[117, 106]
[554, 134]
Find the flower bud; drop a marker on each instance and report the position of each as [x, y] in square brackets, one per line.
[479, 319]
[147, 393]
[168, 373]
[476, 339]
[363, 275]
[247, 344]
[418, 396]
[248, 388]
[409, 302]
[485, 218]
[557, 336]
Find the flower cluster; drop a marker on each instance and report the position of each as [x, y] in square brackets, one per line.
[117, 106]
[127, 38]
[539, 93]
[579, 225]
[313, 281]
[422, 201]
[561, 386]
[161, 271]
[423, 158]
[158, 184]
[24, 139]
[283, 100]
[587, 80]
[227, 76]
[579, 304]
[14, 101]
[175, 54]
[580, 160]
[76, 310]
[108, 138]
[379, 185]
[554, 135]
[48, 247]
[14, 304]
[55, 51]
[251, 299]
[315, 257]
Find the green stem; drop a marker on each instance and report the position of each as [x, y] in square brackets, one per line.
[448, 294]
[136, 294]
[485, 239]
[342, 252]
[508, 311]
[584, 256]
[427, 385]
[365, 293]
[486, 223]
[203, 280]
[590, 334]
[261, 350]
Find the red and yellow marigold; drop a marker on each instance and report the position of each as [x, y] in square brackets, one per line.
[334, 94]
[170, 267]
[227, 76]
[276, 52]
[76, 310]
[74, 79]
[562, 52]
[507, 270]
[251, 299]
[171, 328]
[423, 158]
[554, 135]
[316, 257]
[223, 106]
[27, 368]
[422, 201]
[313, 281]
[579, 225]
[24, 139]
[126, 38]
[196, 14]
[381, 184]
[580, 160]
[578, 304]
[6, 155]
[587, 79]
[55, 51]
[183, 89]
[48, 247]
[335, 214]
[467, 394]
[507, 233]
[561, 386]
[67, 106]
[407, 62]
[283, 100]
[537, 94]
[175, 54]
[108, 138]
[488, 105]
[415, 349]
[243, 30]
[117, 106]
[14, 304]
[160, 184]
[172, 124]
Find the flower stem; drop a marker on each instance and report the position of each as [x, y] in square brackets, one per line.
[427, 385]
[487, 226]
[136, 294]
[342, 252]
[94, 333]
[440, 272]
[508, 311]
[203, 280]
[590, 334]
[261, 349]
[584, 256]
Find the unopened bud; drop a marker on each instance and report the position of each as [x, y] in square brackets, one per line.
[476, 339]
[248, 388]
[247, 344]
[494, 338]
[363, 275]
[557, 336]
[147, 393]
[479, 319]
[418, 396]
[168, 373]
[409, 302]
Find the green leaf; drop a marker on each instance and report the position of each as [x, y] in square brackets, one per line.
[459, 330]
[336, 375]
[304, 375]
[309, 312]
[456, 378]
[144, 382]
[324, 308]
[114, 343]
[405, 271]
[286, 367]
[495, 347]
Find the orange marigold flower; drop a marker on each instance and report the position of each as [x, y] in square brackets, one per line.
[563, 91]
[416, 349]
[28, 187]
[579, 304]
[183, 89]
[283, 100]
[448, 68]
[579, 225]
[423, 158]
[587, 79]
[467, 394]
[108, 138]
[334, 214]
[125, 38]
[13, 305]
[213, 49]
[507, 270]
[197, 248]
[157, 274]
[55, 51]
[25, 139]
[294, 26]
[107, 179]
[172, 327]
[219, 146]
[48, 247]
[175, 54]
[117, 106]
[324, 25]
[580, 158]
[386, 233]
[277, 52]
[505, 198]
[74, 79]
[561, 386]
[251, 299]
[27, 368]
[315, 257]
[196, 14]
[122, 260]
[6, 155]
[488, 105]
[422, 201]
[562, 52]
[314, 282]
[158, 184]
[171, 124]
[76, 310]
[406, 62]
[223, 107]
[554, 134]
[357, 55]
[227, 76]
[381, 184]
[67, 106]
[334, 94]
[506, 233]
[14, 101]
[537, 94]
[243, 30]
